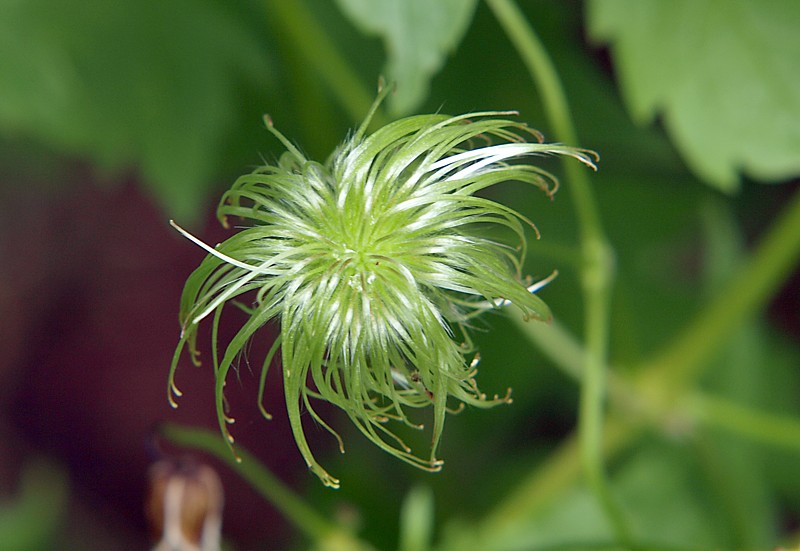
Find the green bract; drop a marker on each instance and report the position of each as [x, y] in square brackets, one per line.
[373, 264]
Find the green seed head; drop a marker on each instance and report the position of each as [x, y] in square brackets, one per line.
[373, 264]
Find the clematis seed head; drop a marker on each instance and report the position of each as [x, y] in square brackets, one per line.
[373, 264]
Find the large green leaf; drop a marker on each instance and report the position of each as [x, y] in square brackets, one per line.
[147, 84]
[724, 74]
[418, 35]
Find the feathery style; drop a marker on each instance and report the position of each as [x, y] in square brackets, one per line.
[373, 265]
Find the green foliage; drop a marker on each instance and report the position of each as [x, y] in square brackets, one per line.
[33, 520]
[418, 36]
[127, 84]
[671, 57]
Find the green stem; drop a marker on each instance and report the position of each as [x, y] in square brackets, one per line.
[757, 425]
[321, 54]
[567, 354]
[597, 257]
[327, 534]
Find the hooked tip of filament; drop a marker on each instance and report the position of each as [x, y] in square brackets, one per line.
[542, 282]
[173, 392]
[331, 482]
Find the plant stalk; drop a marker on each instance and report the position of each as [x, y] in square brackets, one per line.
[597, 260]
[757, 425]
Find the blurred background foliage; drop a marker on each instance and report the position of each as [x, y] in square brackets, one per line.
[116, 116]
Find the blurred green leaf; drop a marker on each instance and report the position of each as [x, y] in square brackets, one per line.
[31, 522]
[667, 501]
[724, 75]
[418, 35]
[127, 83]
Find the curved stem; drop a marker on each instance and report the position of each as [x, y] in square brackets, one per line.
[292, 507]
[597, 264]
